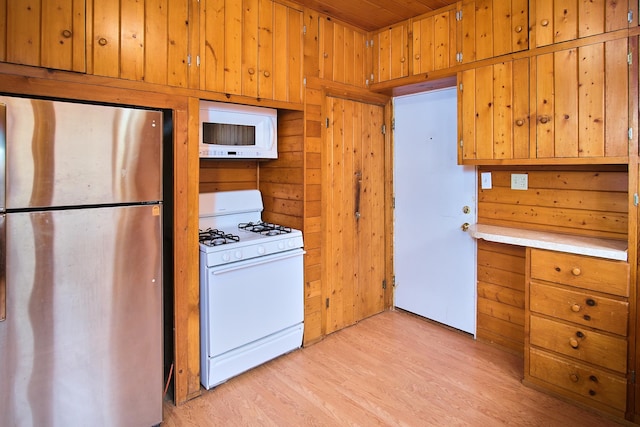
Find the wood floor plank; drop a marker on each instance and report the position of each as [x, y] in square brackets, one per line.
[392, 369]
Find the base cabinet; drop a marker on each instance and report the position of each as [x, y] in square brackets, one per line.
[577, 315]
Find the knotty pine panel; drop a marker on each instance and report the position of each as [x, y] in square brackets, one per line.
[585, 201]
[226, 175]
[501, 283]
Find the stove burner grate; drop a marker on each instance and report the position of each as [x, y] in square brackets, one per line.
[215, 237]
[264, 228]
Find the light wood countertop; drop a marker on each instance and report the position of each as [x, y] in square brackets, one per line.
[603, 248]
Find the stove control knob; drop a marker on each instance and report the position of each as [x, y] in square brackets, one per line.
[226, 257]
[238, 254]
[261, 250]
[280, 245]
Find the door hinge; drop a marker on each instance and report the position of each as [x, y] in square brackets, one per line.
[459, 15]
[460, 87]
[630, 133]
[384, 129]
[459, 56]
[633, 377]
[461, 143]
[393, 124]
[304, 81]
[636, 199]
[393, 202]
[304, 30]
[327, 303]
[197, 60]
[384, 283]
[629, 58]
[630, 16]
[188, 60]
[393, 281]
[327, 122]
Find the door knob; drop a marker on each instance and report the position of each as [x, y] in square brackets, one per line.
[466, 209]
[465, 226]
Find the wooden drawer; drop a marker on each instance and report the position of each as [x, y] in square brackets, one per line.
[583, 380]
[580, 307]
[596, 274]
[579, 342]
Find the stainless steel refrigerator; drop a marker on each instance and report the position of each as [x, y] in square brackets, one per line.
[80, 264]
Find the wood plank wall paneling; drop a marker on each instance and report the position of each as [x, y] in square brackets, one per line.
[281, 181]
[501, 282]
[226, 175]
[586, 201]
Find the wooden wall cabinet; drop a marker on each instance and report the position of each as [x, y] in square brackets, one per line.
[555, 21]
[390, 52]
[577, 315]
[342, 53]
[44, 33]
[251, 48]
[490, 28]
[144, 40]
[578, 113]
[493, 112]
[433, 41]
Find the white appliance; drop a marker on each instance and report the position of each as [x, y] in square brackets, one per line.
[251, 286]
[231, 131]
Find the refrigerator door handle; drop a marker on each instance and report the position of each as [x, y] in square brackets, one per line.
[3, 156]
[3, 267]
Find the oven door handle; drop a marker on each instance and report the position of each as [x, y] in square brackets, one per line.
[257, 262]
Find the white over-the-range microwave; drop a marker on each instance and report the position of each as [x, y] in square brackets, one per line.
[231, 131]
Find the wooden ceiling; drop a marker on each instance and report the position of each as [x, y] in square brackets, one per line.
[373, 15]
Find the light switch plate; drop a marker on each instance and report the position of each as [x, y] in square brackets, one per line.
[485, 180]
[519, 181]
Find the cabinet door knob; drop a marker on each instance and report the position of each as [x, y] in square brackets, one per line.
[66, 34]
[102, 41]
[519, 122]
[574, 343]
[576, 271]
[251, 71]
[544, 119]
[267, 74]
[574, 377]
[575, 308]
[417, 56]
[544, 22]
[518, 28]
[402, 59]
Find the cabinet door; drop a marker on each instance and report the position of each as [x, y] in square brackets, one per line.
[341, 53]
[390, 52]
[491, 28]
[143, 40]
[434, 41]
[353, 191]
[251, 48]
[493, 115]
[581, 102]
[45, 33]
[555, 21]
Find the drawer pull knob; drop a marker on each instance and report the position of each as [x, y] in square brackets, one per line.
[587, 317]
[593, 378]
[579, 334]
[592, 393]
[574, 378]
[576, 271]
[591, 302]
[574, 343]
[575, 308]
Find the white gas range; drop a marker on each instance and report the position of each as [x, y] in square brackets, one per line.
[251, 286]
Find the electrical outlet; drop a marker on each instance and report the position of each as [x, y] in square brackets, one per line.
[519, 181]
[485, 180]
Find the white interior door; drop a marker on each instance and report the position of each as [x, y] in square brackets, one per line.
[435, 261]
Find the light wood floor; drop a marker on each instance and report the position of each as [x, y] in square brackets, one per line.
[393, 369]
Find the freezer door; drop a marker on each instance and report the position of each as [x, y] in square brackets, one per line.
[82, 339]
[68, 154]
